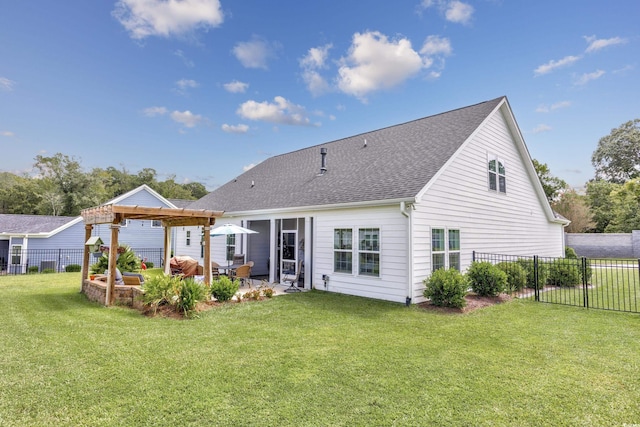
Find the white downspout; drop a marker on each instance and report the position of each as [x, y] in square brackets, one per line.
[403, 211]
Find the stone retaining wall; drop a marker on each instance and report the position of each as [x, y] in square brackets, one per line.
[123, 295]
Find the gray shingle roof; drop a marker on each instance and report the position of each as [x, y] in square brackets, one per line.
[396, 163]
[22, 224]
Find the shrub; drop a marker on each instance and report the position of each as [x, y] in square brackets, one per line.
[32, 269]
[48, 271]
[253, 294]
[516, 276]
[73, 268]
[564, 272]
[160, 290]
[127, 261]
[223, 289]
[149, 264]
[268, 292]
[528, 266]
[570, 252]
[486, 279]
[446, 288]
[190, 293]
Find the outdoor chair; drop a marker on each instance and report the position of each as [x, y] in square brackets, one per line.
[242, 273]
[291, 278]
[215, 270]
[238, 259]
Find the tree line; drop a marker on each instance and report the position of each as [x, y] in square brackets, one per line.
[61, 187]
[611, 200]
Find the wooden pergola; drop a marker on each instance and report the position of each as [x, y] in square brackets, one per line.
[115, 214]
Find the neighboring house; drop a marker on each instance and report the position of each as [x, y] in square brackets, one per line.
[38, 237]
[374, 214]
[37, 240]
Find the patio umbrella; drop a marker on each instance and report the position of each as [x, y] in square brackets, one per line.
[226, 229]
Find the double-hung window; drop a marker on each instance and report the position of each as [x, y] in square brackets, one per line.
[231, 246]
[369, 251]
[188, 242]
[156, 223]
[445, 248]
[497, 174]
[343, 250]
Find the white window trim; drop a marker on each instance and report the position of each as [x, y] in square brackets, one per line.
[499, 161]
[156, 226]
[355, 251]
[334, 250]
[446, 250]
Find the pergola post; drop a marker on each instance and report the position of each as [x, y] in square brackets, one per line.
[113, 259]
[85, 257]
[207, 254]
[167, 248]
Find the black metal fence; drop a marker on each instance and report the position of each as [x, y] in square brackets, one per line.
[58, 260]
[605, 284]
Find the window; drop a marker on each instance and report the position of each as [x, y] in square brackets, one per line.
[188, 242]
[231, 246]
[16, 254]
[497, 174]
[342, 250]
[124, 223]
[156, 223]
[445, 249]
[369, 251]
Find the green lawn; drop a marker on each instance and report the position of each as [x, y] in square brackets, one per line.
[310, 359]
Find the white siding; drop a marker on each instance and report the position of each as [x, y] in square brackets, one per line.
[512, 223]
[393, 280]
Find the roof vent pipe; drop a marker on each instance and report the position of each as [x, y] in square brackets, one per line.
[323, 165]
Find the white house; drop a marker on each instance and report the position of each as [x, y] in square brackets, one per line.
[374, 214]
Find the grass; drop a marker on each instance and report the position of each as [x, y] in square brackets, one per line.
[310, 359]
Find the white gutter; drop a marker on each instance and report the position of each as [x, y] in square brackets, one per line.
[403, 211]
[368, 203]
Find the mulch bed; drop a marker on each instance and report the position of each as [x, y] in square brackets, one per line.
[474, 302]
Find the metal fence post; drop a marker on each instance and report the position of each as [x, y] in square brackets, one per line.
[536, 288]
[585, 296]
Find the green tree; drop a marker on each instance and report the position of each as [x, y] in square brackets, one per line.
[552, 185]
[574, 207]
[599, 201]
[21, 198]
[617, 157]
[172, 190]
[196, 189]
[625, 207]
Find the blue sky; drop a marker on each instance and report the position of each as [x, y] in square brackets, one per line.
[204, 89]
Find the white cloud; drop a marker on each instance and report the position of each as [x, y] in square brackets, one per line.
[254, 53]
[187, 118]
[458, 12]
[436, 45]
[154, 111]
[247, 167]
[7, 133]
[596, 44]
[453, 10]
[374, 62]
[185, 84]
[552, 65]
[241, 128]
[166, 18]
[6, 84]
[280, 111]
[314, 60]
[186, 61]
[547, 108]
[541, 128]
[236, 87]
[587, 77]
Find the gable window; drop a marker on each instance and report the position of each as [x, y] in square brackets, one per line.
[156, 223]
[188, 242]
[497, 174]
[445, 248]
[342, 250]
[369, 251]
